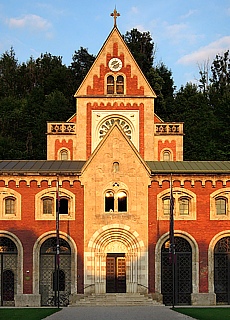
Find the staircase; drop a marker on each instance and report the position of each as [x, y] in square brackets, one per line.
[113, 299]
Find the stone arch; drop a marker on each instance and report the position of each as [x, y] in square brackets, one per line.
[116, 238]
[36, 258]
[19, 273]
[213, 242]
[195, 259]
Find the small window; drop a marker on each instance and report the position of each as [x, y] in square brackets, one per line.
[221, 206]
[110, 85]
[120, 85]
[115, 167]
[122, 201]
[184, 206]
[47, 206]
[64, 206]
[109, 201]
[9, 206]
[64, 155]
[167, 156]
[166, 206]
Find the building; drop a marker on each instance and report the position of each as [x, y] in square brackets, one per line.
[113, 162]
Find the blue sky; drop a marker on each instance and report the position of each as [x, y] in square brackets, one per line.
[187, 33]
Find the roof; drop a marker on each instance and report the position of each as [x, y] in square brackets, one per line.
[75, 167]
[194, 167]
[41, 166]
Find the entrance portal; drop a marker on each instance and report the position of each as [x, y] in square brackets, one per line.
[115, 273]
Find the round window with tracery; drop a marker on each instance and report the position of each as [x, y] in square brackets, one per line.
[107, 124]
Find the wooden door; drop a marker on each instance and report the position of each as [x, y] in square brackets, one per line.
[115, 273]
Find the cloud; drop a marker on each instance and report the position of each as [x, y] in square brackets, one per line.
[188, 14]
[29, 22]
[179, 32]
[134, 10]
[207, 52]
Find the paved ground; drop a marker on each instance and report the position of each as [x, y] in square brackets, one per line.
[117, 313]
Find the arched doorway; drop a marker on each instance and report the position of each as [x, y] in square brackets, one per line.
[183, 273]
[49, 274]
[8, 271]
[116, 262]
[222, 271]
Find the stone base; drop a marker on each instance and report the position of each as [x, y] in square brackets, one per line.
[157, 296]
[27, 300]
[203, 299]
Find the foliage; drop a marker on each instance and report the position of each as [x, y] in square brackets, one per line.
[42, 89]
[26, 313]
[205, 313]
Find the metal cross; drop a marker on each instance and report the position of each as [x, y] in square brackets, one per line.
[115, 14]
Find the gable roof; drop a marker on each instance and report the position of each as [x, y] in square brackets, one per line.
[114, 127]
[117, 33]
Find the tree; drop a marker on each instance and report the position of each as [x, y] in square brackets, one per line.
[82, 62]
[142, 48]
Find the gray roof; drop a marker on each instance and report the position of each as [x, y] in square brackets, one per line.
[41, 166]
[75, 167]
[193, 167]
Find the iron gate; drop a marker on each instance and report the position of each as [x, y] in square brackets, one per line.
[48, 272]
[222, 271]
[183, 273]
[8, 271]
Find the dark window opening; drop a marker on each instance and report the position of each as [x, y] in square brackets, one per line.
[120, 85]
[122, 202]
[109, 201]
[63, 206]
[110, 85]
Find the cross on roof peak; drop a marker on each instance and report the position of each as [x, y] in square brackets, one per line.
[115, 14]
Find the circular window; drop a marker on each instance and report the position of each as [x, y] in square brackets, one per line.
[107, 124]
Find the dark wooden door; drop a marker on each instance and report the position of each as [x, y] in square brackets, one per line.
[115, 273]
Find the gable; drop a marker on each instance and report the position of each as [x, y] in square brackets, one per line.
[95, 81]
[115, 147]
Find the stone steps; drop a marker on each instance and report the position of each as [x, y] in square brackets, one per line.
[113, 299]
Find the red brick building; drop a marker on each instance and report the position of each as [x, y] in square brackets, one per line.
[114, 160]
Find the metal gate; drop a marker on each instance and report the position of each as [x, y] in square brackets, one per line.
[222, 271]
[48, 272]
[183, 273]
[8, 271]
[115, 273]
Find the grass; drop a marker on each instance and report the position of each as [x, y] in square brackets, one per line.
[26, 313]
[206, 313]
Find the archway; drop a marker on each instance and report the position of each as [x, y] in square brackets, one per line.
[8, 270]
[182, 286]
[49, 275]
[115, 262]
[222, 270]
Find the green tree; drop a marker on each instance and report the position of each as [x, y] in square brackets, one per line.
[82, 61]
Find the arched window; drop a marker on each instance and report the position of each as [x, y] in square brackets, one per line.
[9, 205]
[47, 205]
[166, 155]
[110, 85]
[166, 206]
[109, 201]
[120, 85]
[184, 206]
[115, 167]
[122, 201]
[221, 206]
[64, 155]
[64, 206]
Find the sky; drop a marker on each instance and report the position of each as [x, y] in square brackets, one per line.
[187, 34]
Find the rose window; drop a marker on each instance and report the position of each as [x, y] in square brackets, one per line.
[106, 125]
